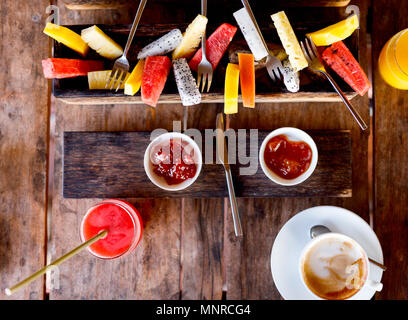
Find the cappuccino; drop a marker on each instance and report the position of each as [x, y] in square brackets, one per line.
[334, 267]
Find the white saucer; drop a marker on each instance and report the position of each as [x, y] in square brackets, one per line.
[294, 235]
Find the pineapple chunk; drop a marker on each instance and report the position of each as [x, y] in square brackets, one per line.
[132, 85]
[67, 37]
[191, 38]
[97, 80]
[101, 43]
[289, 41]
[231, 89]
[336, 32]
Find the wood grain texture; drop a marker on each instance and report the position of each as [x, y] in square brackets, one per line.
[203, 228]
[153, 270]
[23, 145]
[111, 165]
[391, 154]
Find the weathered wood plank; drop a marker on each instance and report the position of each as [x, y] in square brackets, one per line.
[153, 270]
[23, 145]
[111, 164]
[391, 154]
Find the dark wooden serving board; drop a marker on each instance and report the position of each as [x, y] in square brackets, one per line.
[178, 14]
[110, 164]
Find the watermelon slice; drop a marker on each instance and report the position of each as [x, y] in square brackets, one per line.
[155, 72]
[58, 68]
[339, 58]
[216, 45]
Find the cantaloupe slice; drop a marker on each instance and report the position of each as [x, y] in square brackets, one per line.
[247, 78]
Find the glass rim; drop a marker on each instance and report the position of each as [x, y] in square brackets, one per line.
[134, 242]
[395, 51]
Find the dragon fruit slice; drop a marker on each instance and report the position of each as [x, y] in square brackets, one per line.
[290, 77]
[250, 34]
[186, 85]
[163, 45]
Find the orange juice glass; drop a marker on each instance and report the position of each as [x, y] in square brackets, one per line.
[393, 61]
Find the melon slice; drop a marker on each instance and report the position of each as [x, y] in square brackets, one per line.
[247, 78]
[67, 37]
[155, 72]
[101, 43]
[339, 58]
[336, 32]
[216, 45]
[97, 80]
[231, 89]
[191, 38]
[133, 83]
[289, 41]
[59, 68]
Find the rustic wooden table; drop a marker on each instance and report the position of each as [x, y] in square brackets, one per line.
[188, 250]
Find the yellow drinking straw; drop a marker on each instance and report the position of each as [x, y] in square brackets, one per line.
[10, 291]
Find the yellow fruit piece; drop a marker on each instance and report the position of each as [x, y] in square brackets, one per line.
[67, 37]
[191, 38]
[101, 43]
[289, 41]
[97, 80]
[231, 89]
[132, 85]
[336, 32]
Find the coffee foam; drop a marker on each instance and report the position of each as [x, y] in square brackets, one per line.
[334, 268]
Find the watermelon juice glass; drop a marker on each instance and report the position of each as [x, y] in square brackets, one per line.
[124, 226]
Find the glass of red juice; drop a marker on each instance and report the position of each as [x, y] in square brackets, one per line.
[123, 223]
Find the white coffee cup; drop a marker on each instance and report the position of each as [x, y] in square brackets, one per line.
[367, 282]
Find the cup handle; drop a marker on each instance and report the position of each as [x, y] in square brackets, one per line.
[375, 285]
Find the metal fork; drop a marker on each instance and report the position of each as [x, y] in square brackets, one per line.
[312, 56]
[273, 64]
[121, 66]
[205, 69]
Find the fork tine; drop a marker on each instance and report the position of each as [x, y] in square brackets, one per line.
[311, 53]
[198, 80]
[305, 52]
[122, 78]
[113, 79]
[209, 81]
[204, 82]
[314, 47]
[110, 78]
[271, 74]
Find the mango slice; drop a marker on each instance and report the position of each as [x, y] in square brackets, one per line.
[231, 89]
[67, 37]
[133, 83]
[336, 32]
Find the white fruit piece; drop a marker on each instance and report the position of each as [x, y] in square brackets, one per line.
[186, 84]
[251, 36]
[289, 41]
[290, 76]
[191, 38]
[163, 45]
[101, 43]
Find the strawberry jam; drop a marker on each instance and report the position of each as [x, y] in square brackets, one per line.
[174, 161]
[288, 159]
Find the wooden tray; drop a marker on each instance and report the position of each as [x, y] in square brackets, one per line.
[179, 14]
[110, 164]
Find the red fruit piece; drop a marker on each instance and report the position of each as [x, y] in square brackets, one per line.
[58, 68]
[339, 58]
[216, 45]
[155, 72]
